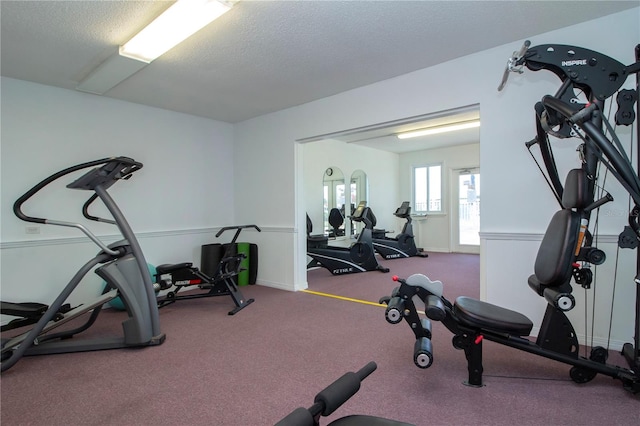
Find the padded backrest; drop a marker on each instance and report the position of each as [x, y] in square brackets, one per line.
[404, 210]
[556, 255]
[576, 190]
[335, 218]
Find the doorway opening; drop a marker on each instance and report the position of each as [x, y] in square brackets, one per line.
[465, 222]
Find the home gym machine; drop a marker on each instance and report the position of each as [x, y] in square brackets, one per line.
[184, 276]
[123, 267]
[566, 250]
[331, 398]
[404, 244]
[360, 257]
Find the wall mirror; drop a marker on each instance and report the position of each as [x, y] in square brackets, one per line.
[335, 197]
[359, 192]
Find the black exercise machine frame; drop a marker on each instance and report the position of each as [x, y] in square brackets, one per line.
[359, 257]
[404, 244]
[559, 110]
[179, 276]
[471, 321]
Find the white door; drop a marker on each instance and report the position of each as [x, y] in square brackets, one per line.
[466, 211]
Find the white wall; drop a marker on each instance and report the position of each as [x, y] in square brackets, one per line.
[515, 200]
[175, 203]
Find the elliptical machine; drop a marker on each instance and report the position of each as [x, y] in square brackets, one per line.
[566, 250]
[123, 267]
[360, 257]
[404, 244]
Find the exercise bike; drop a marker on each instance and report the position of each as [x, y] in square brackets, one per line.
[404, 244]
[123, 267]
[566, 251]
[360, 257]
[331, 398]
[184, 276]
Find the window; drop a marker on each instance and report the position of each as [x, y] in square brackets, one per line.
[427, 184]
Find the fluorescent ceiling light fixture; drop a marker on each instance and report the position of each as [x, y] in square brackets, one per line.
[439, 129]
[109, 74]
[180, 21]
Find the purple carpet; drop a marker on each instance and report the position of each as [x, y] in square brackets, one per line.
[257, 366]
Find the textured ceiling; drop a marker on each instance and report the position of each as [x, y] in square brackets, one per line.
[264, 56]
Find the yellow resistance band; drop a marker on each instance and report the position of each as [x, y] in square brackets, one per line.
[348, 299]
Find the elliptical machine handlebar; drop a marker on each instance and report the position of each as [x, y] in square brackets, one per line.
[112, 169]
[86, 214]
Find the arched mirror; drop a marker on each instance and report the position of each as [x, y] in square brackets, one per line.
[359, 192]
[335, 197]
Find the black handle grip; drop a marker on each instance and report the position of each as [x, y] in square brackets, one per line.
[338, 392]
[365, 371]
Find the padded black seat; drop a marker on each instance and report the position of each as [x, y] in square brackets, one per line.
[28, 313]
[165, 268]
[315, 241]
[478, 314]
[23, 309]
